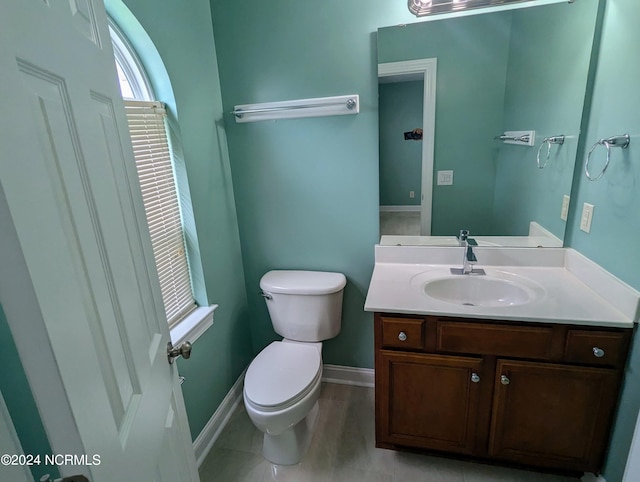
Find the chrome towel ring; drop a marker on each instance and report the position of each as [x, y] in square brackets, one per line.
[608, 143]
[548, 140]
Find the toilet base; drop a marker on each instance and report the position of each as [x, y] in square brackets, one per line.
[289, 447]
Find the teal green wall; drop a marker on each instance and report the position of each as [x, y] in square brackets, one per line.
[400, 111]
[306, 189]
[19, 399]
[183, 37]
[615, 110]
[470, 91]
[303, 187]
[615, 229]
[549, 56]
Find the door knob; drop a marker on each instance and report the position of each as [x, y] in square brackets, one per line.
[505, 380]
[183, 350]
[475, 378]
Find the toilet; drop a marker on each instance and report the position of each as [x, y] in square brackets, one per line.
[282, 383]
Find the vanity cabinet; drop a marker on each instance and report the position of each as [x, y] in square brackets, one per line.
[552, 415]
[417, 415]
[535, 394]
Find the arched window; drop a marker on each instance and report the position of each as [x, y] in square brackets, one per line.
[134, 83]
[153, 157]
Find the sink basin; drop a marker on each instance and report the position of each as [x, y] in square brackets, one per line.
[487, 291]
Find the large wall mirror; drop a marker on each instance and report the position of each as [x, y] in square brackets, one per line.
[516, 70]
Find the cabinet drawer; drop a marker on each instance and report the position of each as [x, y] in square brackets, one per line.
[403, 333]
[595, 347]
[489, 339]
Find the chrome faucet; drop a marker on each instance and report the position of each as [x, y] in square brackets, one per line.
[469, 258]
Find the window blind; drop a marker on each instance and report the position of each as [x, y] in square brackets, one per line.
[155, 172]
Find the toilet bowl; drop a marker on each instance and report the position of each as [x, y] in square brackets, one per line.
[282, 383]
[282, 386]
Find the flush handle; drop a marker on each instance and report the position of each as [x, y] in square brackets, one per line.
[475, 378]
[505, 380]
[402, 336]
[598, 352]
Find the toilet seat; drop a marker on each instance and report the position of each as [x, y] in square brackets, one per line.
[281, 375]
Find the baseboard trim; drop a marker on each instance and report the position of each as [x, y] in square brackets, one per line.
[211, 431]
[362, 377]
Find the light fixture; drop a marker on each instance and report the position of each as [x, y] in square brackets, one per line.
[420, 8]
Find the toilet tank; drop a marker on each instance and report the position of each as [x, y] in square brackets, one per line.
[304, 305]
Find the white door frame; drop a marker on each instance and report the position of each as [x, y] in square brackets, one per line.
[426, 70]
[10, 445]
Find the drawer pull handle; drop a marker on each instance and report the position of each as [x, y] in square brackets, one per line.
[475, 378]
[598, 352]
[402, 336]
[505, 380]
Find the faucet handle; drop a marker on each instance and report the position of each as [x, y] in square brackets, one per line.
[471, 257]
[464, 234]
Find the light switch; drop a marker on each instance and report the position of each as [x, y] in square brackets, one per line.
[587, 216]
[445, 178]
[564, 212]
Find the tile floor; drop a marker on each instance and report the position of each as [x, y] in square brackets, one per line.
[406, 223]
[343, 449]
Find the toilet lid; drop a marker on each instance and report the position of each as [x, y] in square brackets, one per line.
[281, 372]
[294, 282]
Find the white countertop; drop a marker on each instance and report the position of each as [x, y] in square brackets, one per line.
[575, 290]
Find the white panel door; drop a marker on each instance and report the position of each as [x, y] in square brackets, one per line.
[67, 172]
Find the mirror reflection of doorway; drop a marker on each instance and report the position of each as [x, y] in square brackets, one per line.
[400, 110]
[407, 102]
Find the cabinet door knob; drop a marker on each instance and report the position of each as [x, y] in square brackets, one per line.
[598, 352]
[475, 378]
[402, 336]
[505, 380]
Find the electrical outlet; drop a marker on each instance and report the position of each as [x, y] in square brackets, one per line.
[412, 194]
[564, 213]
[445, 178]
[587, 216]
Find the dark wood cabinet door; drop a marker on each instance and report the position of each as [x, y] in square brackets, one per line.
[552, 415]
[429, 401]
